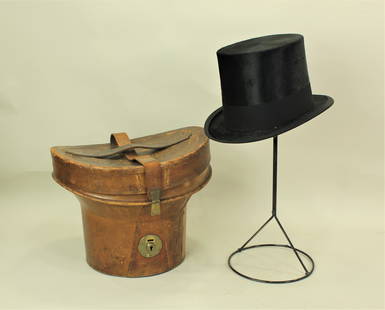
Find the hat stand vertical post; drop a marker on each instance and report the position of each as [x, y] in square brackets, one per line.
[298, 253]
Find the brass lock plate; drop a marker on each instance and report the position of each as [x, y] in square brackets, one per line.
[150, 245]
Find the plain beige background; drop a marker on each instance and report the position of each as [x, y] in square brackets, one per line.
[72, 72]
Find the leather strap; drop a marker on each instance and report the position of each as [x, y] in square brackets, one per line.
[126, 146]
[120, 139]
[152, 170]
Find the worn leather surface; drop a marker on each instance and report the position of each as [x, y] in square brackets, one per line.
[115, 207]
[125, 148]
[152, 170]
[184, 167]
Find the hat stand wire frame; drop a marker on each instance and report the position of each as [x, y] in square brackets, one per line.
[307, 270]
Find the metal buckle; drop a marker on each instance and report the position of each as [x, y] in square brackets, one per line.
[155, 201]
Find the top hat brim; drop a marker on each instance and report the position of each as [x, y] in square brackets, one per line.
[215, 128]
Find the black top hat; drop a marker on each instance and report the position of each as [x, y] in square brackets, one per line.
[265, 90]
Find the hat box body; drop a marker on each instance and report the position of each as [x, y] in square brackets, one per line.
[122, 236]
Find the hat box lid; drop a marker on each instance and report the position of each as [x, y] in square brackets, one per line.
[185, 167]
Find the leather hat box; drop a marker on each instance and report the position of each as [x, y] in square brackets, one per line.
[133, 196]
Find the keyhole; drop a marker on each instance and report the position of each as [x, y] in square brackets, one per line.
[150, 245]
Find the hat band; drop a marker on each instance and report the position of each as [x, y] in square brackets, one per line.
[268, 115]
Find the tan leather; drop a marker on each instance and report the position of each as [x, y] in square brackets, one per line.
[113, 194]
[184, 167]
[119, 139]
[117, 151]
[152, 171]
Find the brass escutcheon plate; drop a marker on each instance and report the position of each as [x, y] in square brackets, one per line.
[150, 245]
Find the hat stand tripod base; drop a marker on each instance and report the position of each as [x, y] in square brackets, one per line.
[298, 253]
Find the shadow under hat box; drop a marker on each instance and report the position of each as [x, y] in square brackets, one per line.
[126, 233]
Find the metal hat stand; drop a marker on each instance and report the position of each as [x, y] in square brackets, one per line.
[307, 271]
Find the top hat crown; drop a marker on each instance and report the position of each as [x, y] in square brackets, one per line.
[265, 90]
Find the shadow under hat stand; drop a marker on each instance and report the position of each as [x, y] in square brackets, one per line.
[307, 270]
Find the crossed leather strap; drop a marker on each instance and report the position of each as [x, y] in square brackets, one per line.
[152, 171]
